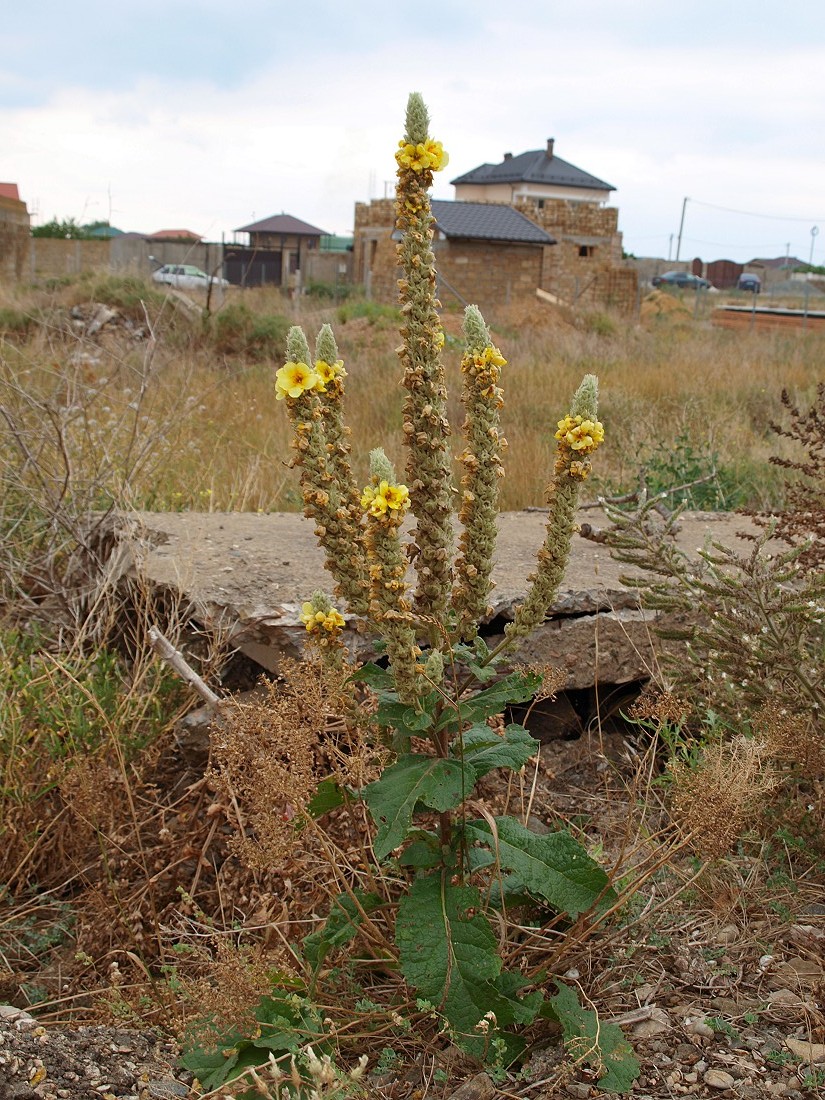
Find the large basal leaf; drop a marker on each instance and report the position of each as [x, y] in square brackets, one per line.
[437, 783]
[449, 956]
[554, 867]
[485, 749]
[590, 1040]
[515, 688]
[341, 925]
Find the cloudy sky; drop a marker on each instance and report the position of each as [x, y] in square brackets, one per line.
[209, 114]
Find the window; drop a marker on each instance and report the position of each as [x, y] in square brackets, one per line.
[586, 250]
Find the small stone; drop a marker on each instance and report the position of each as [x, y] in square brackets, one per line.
[479, 1087]
[783, 997]
[700, 1028]
[718, 1079]
[806, 1052]
[580, 1089]
[728, 934]
[658, 1022]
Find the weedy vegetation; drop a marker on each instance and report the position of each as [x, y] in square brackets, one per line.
[359, 885]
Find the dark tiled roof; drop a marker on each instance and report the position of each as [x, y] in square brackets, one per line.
[534, 167]
[283, 223]
[486, 221]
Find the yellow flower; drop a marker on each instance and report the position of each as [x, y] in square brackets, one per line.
[328, 372]
[580, 435]
[293, 379]
[373, 502]
[493, 355]
[384, 498]
[396, 496]
[438, 158]
[315, 621]
[426, 156]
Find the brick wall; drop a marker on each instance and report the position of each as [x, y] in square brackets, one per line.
[584, 268]
[14, 239]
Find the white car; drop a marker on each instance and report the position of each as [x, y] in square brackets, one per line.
[186, 276]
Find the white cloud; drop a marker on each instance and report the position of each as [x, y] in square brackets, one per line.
[309, 132]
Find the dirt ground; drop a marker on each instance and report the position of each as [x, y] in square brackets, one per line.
[717, 983]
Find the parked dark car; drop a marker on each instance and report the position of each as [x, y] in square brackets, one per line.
[749, 282]
[682, 280]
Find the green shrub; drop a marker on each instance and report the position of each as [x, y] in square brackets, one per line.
[236, 330]
[130, 294]
[374, 312]
[17, 322]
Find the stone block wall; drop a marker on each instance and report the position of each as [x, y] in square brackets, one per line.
[51, 257]
[14, 239]
[585, 267]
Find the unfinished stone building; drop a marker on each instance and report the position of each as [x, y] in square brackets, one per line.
[578, 259]
[15, 229]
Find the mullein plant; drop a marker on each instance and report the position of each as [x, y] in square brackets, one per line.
[443, 683]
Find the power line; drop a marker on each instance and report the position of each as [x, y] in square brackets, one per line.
[751, 214]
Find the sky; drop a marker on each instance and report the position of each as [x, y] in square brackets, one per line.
[211, 114]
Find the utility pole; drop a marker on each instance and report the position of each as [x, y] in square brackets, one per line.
[681, 227]
[814, 232]
[670, 248]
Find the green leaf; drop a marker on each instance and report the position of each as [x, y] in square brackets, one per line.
[554, 867]
[328, 796]
[515, 688]
[391, 713]
[449, 957]
[340, 927]
[423, 853]
[288, 1021]
[525, 1009]
[473, 656]
[399, 716]
[601, 1045]
[438, 784]
[485, 749]
[373, 675]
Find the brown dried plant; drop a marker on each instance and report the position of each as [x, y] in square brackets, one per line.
[715, 800]
[270, 753]
[801, 522]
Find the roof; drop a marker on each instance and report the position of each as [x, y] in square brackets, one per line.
[9, 191]
[487, 221]
[284, 224]
[777, 263]
[104, 231]
[175, 234]
[332, 242]
[537, 166]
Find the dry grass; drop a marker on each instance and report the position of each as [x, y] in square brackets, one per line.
[138, 850]
[210, 436]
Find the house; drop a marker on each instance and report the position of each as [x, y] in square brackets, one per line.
[588, 268]
[15, 232]
[277, 253]
[536, 175]
[485, 253]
